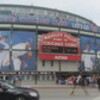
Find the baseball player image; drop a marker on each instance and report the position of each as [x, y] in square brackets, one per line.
[88, 48]
[3, 42]
[3, 45]
[89, 61]
[17, 60]
[98, 48]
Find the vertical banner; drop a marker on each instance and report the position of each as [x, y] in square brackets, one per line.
[23, 54]
[98, 54]
[4, 50]
[98, 48]
[88, 62]
[88, 48]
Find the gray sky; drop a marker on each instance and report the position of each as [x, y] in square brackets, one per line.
[86, 8]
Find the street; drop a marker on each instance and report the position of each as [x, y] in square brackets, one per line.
[64, 94]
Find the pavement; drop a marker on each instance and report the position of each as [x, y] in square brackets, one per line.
[63, 92]
[98, 98]
[51, 86]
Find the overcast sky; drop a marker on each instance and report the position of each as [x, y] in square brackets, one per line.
[86, 8]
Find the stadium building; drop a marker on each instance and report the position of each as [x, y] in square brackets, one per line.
[41, 44]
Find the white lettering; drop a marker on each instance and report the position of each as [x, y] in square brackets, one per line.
[70, 44]
[53, 43]
[53, 35]
[61, 57]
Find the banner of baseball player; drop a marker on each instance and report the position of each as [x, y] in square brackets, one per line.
[59, 46]
[98, 48]
[87, 44]
[22, 56]
[88, 62]
[5, 39]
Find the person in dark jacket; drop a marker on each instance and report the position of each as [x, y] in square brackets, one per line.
[80, 82]
[98, 82]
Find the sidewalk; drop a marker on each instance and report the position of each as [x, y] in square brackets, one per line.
[50, 86]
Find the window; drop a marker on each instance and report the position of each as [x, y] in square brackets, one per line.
[43, 63]
[71, 18]
[80, 20]
[51, 14]
[43, 77]
[52, 63]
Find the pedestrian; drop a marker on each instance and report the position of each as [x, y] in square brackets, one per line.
[81, 82]
[15, 80]
[20, 80]
[76, 83]
[57, 80]
[98, 82]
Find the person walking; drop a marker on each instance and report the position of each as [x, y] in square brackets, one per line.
[98, 82]
[81, 82]
[76, 83]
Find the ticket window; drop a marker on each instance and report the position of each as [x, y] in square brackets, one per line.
[41, 77]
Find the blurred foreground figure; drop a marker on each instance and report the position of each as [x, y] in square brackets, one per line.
[80, 81]
[98, 82]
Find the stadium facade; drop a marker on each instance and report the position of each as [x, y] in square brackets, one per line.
[41, 44]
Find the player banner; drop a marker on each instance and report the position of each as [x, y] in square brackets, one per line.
[88, 62]
[17, 51]
[98, 48]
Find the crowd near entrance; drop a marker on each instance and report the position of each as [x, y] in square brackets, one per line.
[57, 78]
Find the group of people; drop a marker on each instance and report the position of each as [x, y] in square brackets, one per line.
[81, 80]
[88, 80]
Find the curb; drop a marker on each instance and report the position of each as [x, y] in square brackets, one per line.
[62, 87]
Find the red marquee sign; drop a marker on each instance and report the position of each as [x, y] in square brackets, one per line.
[59, 46]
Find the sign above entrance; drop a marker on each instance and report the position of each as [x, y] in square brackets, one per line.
[59, 46]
